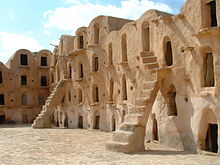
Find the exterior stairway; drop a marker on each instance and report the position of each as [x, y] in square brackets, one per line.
[130, 137]
[43, 119]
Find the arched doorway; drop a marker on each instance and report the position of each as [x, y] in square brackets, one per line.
[124, 48]
[80, 122]
[211, 141]
[113, 123]
[208, 131]
[146, 36]
[155, 128]
[208, 73]
[168, 52]
[96, 124]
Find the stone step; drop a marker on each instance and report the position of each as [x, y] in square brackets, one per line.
[122, 136]
[149, 84]
[149, 59]
[133, 119]
[151, 66]
[147, 54]
[151, 76]
[137, 110]
[117, 146]
[141, 101]
[127, 127]
[146, 93]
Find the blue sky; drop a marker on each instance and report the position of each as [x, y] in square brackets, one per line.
[34, 24]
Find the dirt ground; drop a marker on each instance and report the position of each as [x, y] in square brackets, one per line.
[22, 145]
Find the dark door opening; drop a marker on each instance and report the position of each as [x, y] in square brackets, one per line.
[23, 80]
[43, 81]
[80, 122]
[212, 138]
[113, 124]
[66, 122]
[43, 61]
[169, 54]
[2, 99]
[24, 118]
[2, 119]
[209, 71]
[81, 42]
[212, 6]
[1, 79]
[155, 129]
[24, 59]
[97, 120]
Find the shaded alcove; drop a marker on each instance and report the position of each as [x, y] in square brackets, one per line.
[208, 79]
[145, 36]
[95, 93]
[155, 128]
[113, 123]
[124, 48]
[110, 54]
[211, 141]
[80, 122]
[168, 52]
[124, 88]
[97, 122]
[2, 118]
[213, 14]
[111, 90]
[172, 107]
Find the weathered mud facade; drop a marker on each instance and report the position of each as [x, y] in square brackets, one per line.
[24, 86]
[156, 78]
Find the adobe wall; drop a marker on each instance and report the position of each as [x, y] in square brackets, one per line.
[13, 91]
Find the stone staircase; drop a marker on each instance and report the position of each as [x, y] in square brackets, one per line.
[130, 137]
[43, 119]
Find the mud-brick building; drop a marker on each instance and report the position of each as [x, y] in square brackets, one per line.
[155, 78]
[24, 85]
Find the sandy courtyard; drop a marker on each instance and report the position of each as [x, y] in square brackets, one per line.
[26, 146]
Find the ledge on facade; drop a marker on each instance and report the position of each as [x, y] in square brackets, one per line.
[146, 53]
[44, 87]
[26, 106]
[164, 69]
[123, 63]
[94, 73]
[208, 31]
[76, 52]
[94, 46]
[79, 79]
[207, 91]
[24, 66]
[109, 102]
[80, 103]
[95, 104]
[109, 66]
[124, 102]
[44, 67]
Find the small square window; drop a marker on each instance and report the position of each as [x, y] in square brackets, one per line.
[23, 80]
[43, 61]
[43, 81]
[24, 59]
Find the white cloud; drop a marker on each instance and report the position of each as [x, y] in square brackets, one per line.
[11, 42]
[81, 14]
[47, 32]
